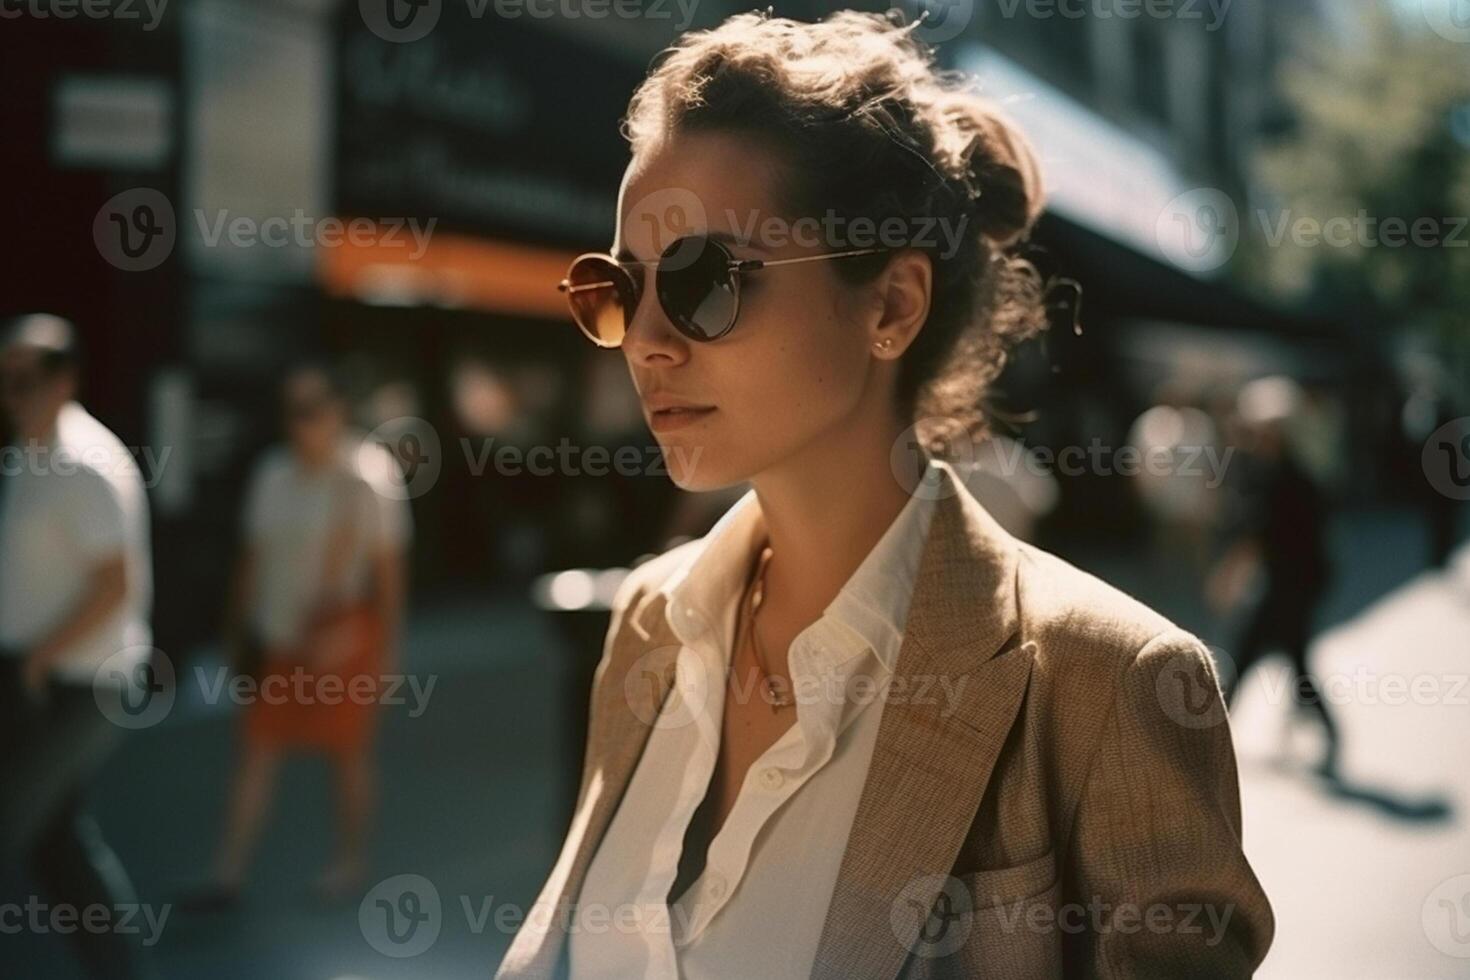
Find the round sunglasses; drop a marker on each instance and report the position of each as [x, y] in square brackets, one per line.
[696, 279]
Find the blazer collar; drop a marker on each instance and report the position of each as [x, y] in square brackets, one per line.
[958, 681]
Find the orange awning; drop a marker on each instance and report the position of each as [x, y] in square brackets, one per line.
[389, 267]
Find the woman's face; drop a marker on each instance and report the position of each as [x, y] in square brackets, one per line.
[798, 365]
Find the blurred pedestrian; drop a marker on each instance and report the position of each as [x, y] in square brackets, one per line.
[318, 596]
[1279, 528]
[75, 592]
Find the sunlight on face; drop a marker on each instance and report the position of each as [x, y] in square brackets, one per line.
[796, 365]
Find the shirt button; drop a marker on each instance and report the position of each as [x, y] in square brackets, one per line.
[716, 887]
[771, 778]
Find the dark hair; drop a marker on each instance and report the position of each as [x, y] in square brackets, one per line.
[871, 128]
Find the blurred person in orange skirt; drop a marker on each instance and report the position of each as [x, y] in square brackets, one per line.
[314, 616]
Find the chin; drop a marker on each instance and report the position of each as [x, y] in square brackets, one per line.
[697, 468]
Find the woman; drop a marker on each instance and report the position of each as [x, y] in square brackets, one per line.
[858, 729]
[317, 599]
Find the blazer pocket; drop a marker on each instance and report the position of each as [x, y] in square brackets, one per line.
[1013, 924]
[1006, 886]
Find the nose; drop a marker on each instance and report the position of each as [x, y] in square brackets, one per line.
[650, 337]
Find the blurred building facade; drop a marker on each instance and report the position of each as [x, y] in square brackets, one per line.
[481, 158]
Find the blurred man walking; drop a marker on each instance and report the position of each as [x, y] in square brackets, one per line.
[75, 590]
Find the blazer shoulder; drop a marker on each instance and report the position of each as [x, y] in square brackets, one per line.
[1088, 632]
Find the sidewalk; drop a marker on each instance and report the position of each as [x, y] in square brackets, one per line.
[1350, 875]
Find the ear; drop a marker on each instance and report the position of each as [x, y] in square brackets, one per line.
[904, 292]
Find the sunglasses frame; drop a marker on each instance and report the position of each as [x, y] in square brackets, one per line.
[734, 267]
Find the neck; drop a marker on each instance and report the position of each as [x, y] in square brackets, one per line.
[825, 510]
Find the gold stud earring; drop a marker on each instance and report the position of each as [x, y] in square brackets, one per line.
[884, 345]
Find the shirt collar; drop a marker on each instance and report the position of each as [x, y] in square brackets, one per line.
[873, 603]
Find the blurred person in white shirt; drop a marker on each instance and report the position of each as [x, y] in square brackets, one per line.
[319, 588]
[75, 592]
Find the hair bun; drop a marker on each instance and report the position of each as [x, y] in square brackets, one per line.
[1002, 171]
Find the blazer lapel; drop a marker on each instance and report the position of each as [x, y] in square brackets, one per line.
[618, 731]
[957, 686]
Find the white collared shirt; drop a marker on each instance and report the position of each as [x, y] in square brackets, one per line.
[758, 906]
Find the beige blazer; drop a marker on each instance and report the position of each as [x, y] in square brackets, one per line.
[1052, 794]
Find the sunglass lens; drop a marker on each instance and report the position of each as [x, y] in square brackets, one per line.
[602, 298]
[696, 288]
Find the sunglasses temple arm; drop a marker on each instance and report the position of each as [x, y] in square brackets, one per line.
[747, 266]
[566, 287]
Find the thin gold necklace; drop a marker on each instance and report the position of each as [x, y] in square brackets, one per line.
[775, 697]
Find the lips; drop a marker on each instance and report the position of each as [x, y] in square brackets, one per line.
[678, 416]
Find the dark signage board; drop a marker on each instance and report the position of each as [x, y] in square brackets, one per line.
[494, 126]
